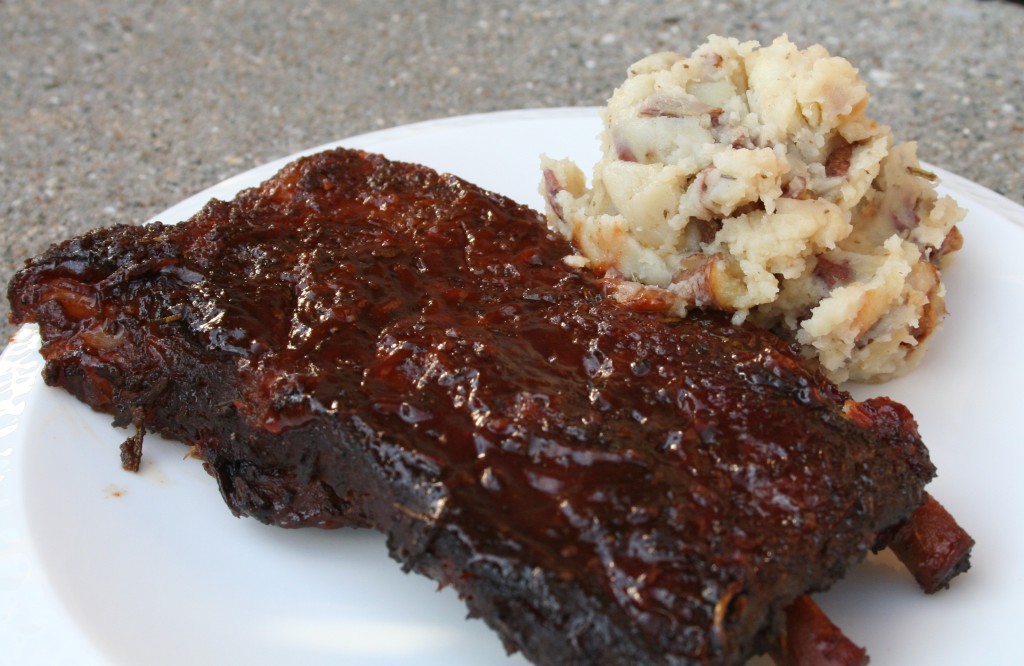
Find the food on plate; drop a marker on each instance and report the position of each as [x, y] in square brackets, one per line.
[365, 343]
[930, 544]
[748, 179]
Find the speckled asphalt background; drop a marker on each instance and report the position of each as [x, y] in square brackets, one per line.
[111, 111]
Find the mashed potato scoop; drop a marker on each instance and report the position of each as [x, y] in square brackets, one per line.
[748, 179]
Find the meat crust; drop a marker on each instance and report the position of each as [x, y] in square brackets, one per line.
[364, 343]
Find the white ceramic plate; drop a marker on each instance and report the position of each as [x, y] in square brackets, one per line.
[101, 566]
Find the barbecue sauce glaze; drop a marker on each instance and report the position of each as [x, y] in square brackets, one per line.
[365, 343]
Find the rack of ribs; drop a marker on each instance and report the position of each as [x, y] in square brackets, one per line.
[364, 343]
